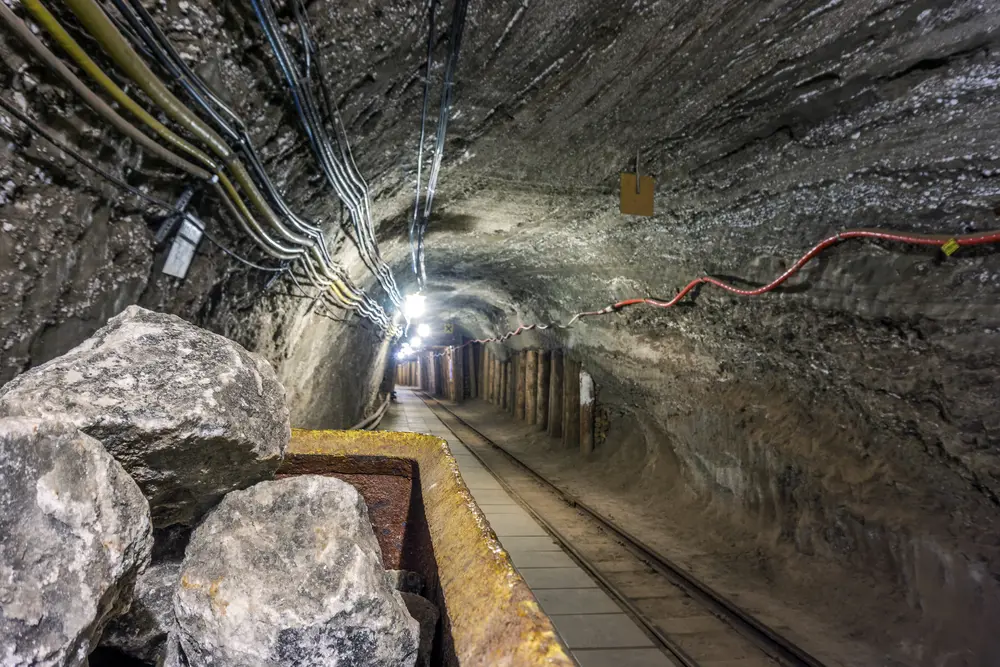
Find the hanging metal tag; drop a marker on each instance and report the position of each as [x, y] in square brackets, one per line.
[637, 193]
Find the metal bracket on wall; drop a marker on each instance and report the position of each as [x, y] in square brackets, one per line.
[168, 226]
[182, 250]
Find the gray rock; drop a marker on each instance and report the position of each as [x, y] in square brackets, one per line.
[406, 581]
[289, 573]
[426, 614]
[142, 632]
[74, 534]
[189, 414]
[173, 656]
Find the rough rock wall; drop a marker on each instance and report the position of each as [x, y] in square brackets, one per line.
[75, 251]
[851, 415]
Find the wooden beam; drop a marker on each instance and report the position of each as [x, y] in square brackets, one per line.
[555, 393]
[588, 394]
[522, 395]
[542, 390]
[531, 387]
[571, 403]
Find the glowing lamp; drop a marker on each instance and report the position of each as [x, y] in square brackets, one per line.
[424, 330]
[414, 306]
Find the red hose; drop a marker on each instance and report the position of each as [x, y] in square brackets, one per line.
[937, 240]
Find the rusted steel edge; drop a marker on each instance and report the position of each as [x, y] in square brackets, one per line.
[766, 639]
[494, 619]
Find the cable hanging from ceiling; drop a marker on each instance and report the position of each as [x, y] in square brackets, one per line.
[341, 172]
[299, 241]
[420, 220]
[943, 241]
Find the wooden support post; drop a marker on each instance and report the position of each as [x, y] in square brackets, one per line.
[491, 364]
[522, 385]
[470, 369]
[587, 406]
[497, 381]
[571, 403]
[431, 385]
[555, 393]
[515, 362]
[494, 379]
[542, 390]
[531, 387]
[486, 377]
[450, 370]
[481, 362]
[504, 384]
[458, 361]
[442, 386]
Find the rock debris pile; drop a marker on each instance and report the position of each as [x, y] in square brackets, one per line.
[154, 428]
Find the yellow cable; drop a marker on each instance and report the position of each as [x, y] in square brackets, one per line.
[112, 41]
[66, 41]
[93, 100]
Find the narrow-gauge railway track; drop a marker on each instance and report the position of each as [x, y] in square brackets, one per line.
[694, 625]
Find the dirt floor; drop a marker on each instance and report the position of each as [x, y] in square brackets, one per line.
[843, 617]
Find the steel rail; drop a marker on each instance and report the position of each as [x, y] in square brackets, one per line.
[766, 639]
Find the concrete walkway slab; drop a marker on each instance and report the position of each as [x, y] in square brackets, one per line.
[588, 619]
[556, 577]
[599, 631]
[617, 657]
[576, 601]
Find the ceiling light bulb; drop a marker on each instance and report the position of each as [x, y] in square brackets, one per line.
[416, 341]
[413, 307]
[424, 330]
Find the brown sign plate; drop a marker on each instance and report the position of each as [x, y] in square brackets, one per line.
[637, 203]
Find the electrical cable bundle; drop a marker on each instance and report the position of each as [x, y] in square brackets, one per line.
[341, 172]
[949, 244]
[297, 241]
[418, 227]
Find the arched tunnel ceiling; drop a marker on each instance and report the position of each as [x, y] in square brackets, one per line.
[766, 125]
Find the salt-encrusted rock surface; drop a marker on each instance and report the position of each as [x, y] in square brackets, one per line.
[74, 534]
[142, 632]
[289, 572]
[189, 414]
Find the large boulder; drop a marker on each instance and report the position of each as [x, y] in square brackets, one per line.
[74, 534]
[142, 632]
[290, 573]
[189, 414]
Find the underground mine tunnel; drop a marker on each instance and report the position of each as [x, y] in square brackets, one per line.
[500, 332]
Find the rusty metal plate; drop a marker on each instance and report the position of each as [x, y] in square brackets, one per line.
[637, 202]
[491, 617]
